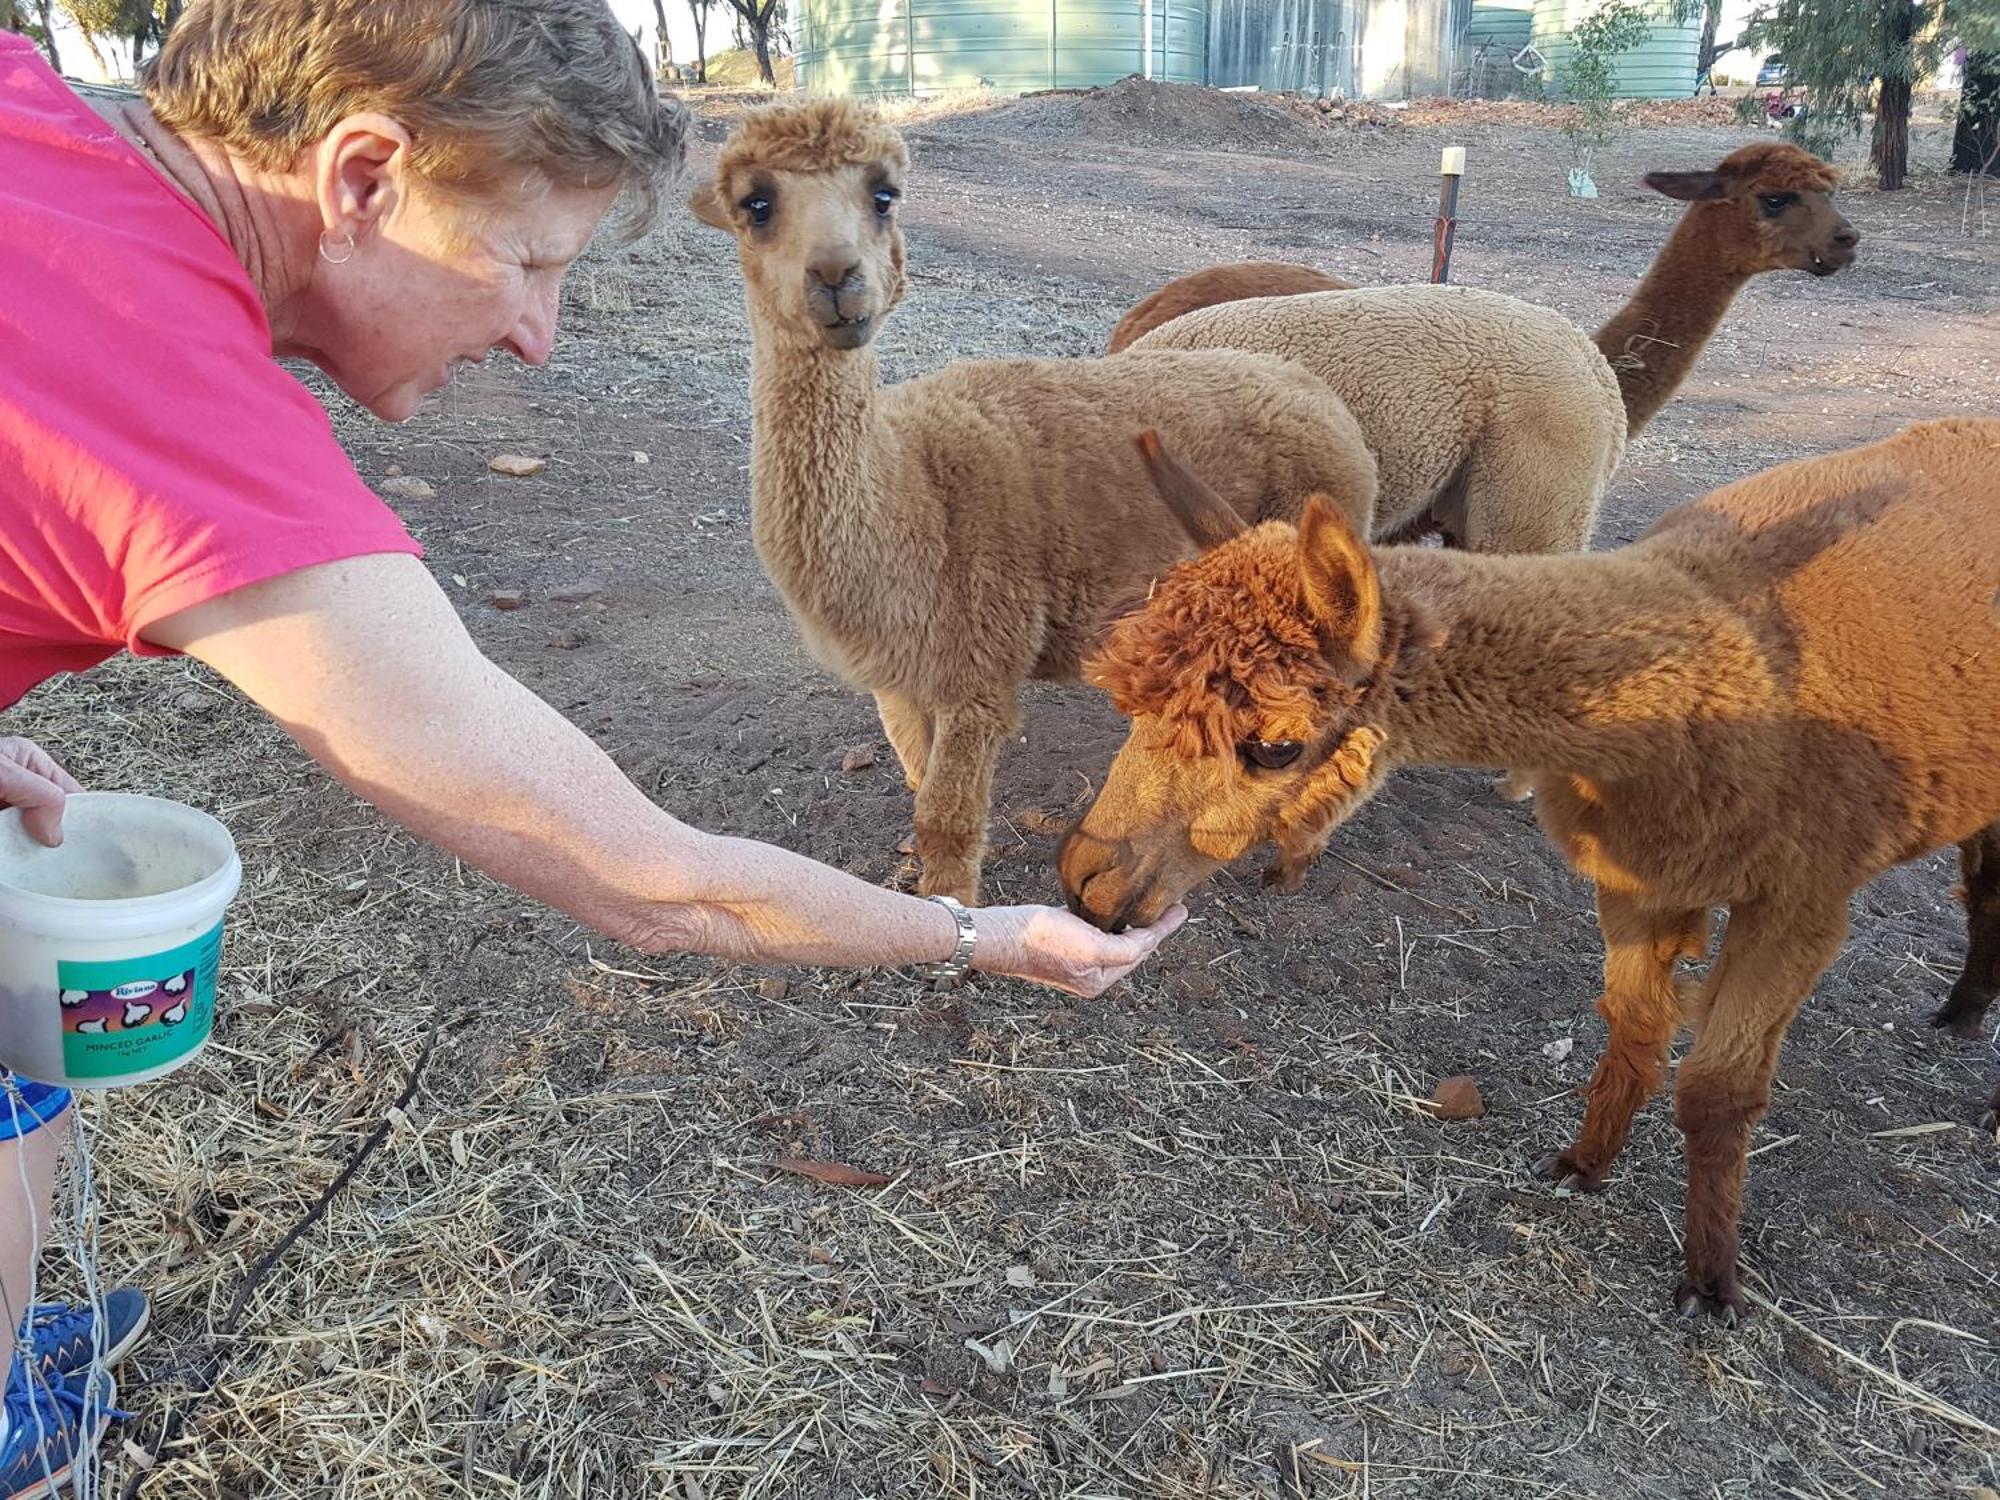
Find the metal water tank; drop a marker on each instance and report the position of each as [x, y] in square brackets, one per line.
[932, 46]
[1660, 67]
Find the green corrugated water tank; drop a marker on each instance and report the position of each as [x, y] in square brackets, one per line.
[1014, 46]
[1501, 24]
[1660, 67]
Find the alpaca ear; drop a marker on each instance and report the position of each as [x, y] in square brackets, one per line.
[1689, 187]
[1341, 588]
[1206, 517]
[706, 204]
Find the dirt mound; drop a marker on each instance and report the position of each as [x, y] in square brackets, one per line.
[1141, 112]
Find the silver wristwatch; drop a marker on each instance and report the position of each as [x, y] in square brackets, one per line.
[954, 968]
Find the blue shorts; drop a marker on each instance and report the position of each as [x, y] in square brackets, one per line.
[26, 1106]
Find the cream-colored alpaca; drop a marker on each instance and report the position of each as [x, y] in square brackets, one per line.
[1776, 694]
[1492, 420]
[944, 540]
[1765, 207]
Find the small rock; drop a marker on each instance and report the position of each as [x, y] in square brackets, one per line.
[520, 465]
[570, 639]
[193, 701]
[507, 598]
[772, 989]
[393, 469]
[1560, 1048]
[642, 458]
[579, 592]
[857, 758]
[1458, 1098]
[1041, 820]
[406, 487]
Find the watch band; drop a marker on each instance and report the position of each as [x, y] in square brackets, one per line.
[954, 968]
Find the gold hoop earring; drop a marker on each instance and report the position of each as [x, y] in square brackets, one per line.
[347, 243]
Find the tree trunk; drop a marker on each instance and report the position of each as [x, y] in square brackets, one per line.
[1889, 148]
[760, 38]
[1975, 143]
[664, 46]
[699, 9]
[48, 9]
[1711, 17]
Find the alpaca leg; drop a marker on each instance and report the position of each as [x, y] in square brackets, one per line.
[1771, 957]
[1641, 1005]
[952, 805]
[1532, 487]
[1965, 1012]
[910, 731]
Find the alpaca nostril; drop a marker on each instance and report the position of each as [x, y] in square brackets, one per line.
[834, 270]
[1847, 238]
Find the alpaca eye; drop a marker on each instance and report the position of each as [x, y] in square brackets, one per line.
[1272, 755]
[1776, 203]
[885, 200]
[758, 207]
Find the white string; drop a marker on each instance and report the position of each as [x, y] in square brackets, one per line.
[83, 1248]
[86, 1467]
[19, 1345]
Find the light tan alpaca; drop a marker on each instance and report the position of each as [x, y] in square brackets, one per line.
[1491, 420]
[1778, 693]
[944, 540]
[1237, 281]
[1767, 207]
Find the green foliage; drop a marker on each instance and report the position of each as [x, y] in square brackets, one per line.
[1587, 78]
[1839, 51]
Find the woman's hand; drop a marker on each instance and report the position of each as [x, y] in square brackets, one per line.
[1049, 946]
[31, 780]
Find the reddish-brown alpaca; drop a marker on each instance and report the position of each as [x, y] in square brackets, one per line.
[1767, 207]
[1779, 692]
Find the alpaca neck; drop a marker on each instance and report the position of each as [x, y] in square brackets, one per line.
[813, 488]
[1654, 339]
[1580, 665]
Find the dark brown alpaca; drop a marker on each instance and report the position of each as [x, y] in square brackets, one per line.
[1776, 694]
[1767, 207]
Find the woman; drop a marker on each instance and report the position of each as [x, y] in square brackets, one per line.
[388, 188]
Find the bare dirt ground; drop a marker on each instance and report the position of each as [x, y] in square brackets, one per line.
[1195, 1239]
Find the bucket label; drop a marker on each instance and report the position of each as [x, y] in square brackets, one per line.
[131, 1014]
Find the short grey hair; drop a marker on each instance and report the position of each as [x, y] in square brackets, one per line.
[482, 86]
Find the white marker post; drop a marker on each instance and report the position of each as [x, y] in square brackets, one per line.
[1451, 168]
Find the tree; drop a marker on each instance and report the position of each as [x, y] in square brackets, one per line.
[1711, 50]
[141, 23]
[756, 16]
[1586, 80]
[664, 45]
[1975, 138]
[14, 17]
[1849, 54]
[699, 9]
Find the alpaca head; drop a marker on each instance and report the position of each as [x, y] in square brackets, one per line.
[1252, 675]
[1770, 206]
[810, 191]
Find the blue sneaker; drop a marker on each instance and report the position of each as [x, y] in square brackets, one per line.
[60, 1332]
[51, 1429]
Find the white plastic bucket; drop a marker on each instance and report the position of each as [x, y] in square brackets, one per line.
[109, 945]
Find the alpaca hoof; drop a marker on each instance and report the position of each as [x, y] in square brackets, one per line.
[1960, 1021]
[1718, 1297]
[1285, 876]
[1566, 1172]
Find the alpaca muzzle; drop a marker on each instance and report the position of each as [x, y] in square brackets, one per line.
[845, 311]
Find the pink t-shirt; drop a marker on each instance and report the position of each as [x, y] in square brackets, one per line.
[152, 454]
